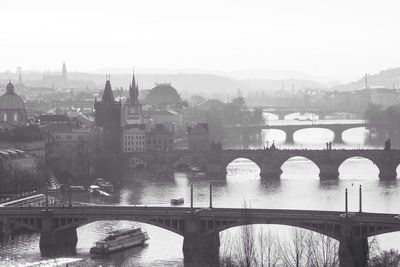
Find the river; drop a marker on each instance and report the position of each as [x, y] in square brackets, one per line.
[298, 188]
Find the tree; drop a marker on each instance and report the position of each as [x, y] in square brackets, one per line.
[268, 255]
[322, 251]
[389, 258]
[294, 249]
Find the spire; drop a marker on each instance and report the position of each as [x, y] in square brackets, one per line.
[108, 96]
[64, 70]
[133, 90]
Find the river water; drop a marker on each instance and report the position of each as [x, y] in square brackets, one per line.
[299, 188]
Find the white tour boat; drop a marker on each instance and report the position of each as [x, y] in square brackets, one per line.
[119, 240]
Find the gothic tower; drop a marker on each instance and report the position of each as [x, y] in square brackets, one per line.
[108, 116]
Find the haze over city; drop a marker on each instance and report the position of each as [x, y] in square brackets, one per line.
[215, 133]
[326, 40]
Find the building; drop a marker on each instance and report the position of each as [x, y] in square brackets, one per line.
[72, 147]
[15, 159]
[27, 138]
[132, 108]
[12, 108]
[159, 139]
[56, 79]
[163, 95]
[199, 137]
[134, 138]
[108, 117]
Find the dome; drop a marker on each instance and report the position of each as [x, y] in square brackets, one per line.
[12, 108]
[10, 100]
[163, 94]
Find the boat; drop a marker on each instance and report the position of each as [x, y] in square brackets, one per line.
[120, 240]
[177, 201]
[104, 185]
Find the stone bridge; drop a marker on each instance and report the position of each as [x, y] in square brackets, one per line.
[200, 227]
[269, 161]
[282, 111]
[336, 128]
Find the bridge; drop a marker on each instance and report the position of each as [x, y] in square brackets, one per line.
[270, 161]
[282, 111]
[200, 227]
[336, 128]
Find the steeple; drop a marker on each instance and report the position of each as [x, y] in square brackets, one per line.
[108, 96]
[134, 90]
[64, 70]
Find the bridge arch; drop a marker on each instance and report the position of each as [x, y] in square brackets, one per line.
[237, 165]
[356, 135]
[330, 230]
[297, 166]
[327, 136]
[164, 224]
[358, 167]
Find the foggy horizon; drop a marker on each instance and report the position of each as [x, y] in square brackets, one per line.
[336, 41]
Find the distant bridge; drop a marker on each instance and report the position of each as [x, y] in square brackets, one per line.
[282, 111]
[200, 227]
[336, 128]
[215, 162]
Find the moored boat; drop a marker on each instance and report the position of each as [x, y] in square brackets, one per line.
[120, 240]
[104, 185]
[177, 201]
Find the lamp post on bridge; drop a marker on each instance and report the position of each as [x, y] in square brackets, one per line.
[191, 197]
[210, 196]
[360, 196]
[346, 203]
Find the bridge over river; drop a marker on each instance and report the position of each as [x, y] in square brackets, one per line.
[214, 162]
[200, 227]
[337, 128]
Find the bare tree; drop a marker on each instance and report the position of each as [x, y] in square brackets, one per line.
[293, 250]
[268, 254]
[227, 250]
[246, 245]
[322, 251]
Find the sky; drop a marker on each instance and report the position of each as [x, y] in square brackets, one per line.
[339, 39]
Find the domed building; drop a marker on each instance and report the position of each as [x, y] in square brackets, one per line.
[12, 108]
[163, 95]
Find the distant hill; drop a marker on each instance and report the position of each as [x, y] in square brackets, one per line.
[211, 85]
[387, 78]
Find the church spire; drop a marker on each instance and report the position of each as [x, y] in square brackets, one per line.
[134, 90]
[64, 70]
[108, 96]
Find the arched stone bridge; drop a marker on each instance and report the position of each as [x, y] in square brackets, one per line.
[336, 128]
[200, 227]
[269, 161]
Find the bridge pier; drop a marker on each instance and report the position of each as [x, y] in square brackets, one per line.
[289, 137]
[353, 252]
[328, 171]
[52, 241]
[337, 137]
[201, 250]
[387, 172]
[270, 171]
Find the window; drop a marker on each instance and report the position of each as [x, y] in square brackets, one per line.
[69, 137]
[5, 117]
[58, 136]
[15, 116]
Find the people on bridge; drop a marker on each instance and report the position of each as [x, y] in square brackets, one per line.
[387, 144]
[273, 145]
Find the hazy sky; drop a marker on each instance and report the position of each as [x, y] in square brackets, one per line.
[339, 39]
